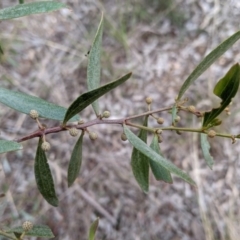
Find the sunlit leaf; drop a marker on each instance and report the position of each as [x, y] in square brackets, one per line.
[44, 177]
[87, 98]
[146, 150]
[94, 66]
[37, 231]
[140, 162]
[159, 172]
[25, 103]
[8, 146]
[22, 10]
[174, 114]
[208, 61]
[205, 148]
[75, 161]
[93, 230]
[226, 89]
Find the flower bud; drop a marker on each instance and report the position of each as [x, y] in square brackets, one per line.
[34, 114]
[93, 135]
[160, 120]
[106, 114]
[191, 109]
[27, 226]
[177, 119]
[73, 132]
[45, 146]
[148, 100]
[123, 137]
[211, 134]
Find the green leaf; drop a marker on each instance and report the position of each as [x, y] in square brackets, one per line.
[22, 10]
[205, 148]
[21, 1]
[8, 146]
[140, 162]
[158, 170]
[93, 230]
[174, 114]
[75, 161]
[25, 103]
[44, 177]
[87, 98]
[226, 89]
[146, 150]
[37, 231]
[94, 66]
[1, 50]
[208, 61]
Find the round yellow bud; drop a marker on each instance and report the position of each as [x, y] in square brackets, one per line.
[45, 146]
[211, 134]
[160, 120]
[191, 109]
[148, 100]
[159, 131]
[93, 135]
[80, 122]
[73, 132]
[27, 226]
[34, 114]
[123, 137]
[177, 119]
[106, 114]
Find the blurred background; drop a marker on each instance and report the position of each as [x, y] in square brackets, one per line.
[161, 42]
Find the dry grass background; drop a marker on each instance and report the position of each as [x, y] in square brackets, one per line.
[160, 42]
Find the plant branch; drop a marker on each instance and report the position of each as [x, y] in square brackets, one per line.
[7, 235]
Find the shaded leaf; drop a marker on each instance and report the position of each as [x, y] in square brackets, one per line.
[146, 150]
[37, 231]
[22, 10]
[205, 148]
[94, 66]
[226, 89]
[93, 230]
[8, 146]
[44, 177]
[1, 50]
[75, 161]
[21, 1]
[208, 61]
[24, 103]
[87, 98]
[159, 172]
[140, 162]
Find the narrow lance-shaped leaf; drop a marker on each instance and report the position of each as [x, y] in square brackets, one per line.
[24, 103]
[174, 114]
[8, 146]
[87, 98]
[140, 162]
[159, 172]
[1, 50]
[42, 231]
[208, 61]
[93, 230]
[44, 177]
[22, 10]
[226, 89]
[94, 66]
[205, 149]
[146, 150]
[75, 161]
